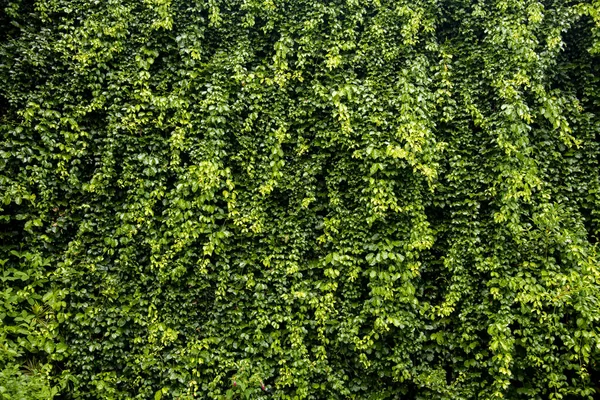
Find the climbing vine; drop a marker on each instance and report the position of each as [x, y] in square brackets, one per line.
[299, 199]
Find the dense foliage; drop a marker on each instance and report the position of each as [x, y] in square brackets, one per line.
[299, 199]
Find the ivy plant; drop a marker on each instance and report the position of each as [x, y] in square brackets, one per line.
[299, 199]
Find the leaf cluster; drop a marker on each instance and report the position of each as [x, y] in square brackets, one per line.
[299, 199]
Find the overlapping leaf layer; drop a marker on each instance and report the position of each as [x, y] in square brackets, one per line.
[299, 199]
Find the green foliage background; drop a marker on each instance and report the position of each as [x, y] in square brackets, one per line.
[363, 199]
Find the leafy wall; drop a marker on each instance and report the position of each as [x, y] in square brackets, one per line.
[299, 199]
